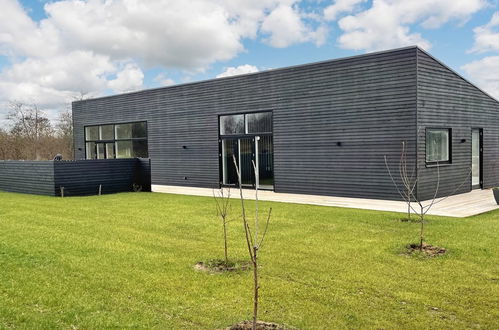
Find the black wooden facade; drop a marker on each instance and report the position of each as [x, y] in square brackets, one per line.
[77, 178]
[333, 122]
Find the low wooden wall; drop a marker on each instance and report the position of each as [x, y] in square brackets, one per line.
[81, 177]
[27, 177]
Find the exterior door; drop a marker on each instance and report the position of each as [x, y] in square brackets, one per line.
[246, 151]
[476, 158]
[230, 149]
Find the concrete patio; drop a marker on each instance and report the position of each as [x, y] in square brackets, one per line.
[462, 205]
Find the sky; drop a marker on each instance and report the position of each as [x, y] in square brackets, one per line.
[55, 52]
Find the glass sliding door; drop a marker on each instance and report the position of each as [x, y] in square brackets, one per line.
[248, 138]
[476, 158]
[246, 158]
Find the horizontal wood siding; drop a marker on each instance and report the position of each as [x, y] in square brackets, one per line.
[77, 177]
[368, 103]
[114, 175]
[446, 100]
[31, 177]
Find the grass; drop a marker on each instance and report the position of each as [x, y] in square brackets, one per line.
[126, 260]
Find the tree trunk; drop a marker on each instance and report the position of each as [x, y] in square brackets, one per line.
[256, 287]
[421, 234]
[408, 206]
[225, 244]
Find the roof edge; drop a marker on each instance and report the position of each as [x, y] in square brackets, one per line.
[256, 73]
[456, 73]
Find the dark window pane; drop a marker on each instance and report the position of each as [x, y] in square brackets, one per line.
[260, 122]
[246, 157]
[265, 161]
[123, 131]
[437, 145]
[229, 150]
[139, 130]
[124, 149]
[91, 133]
[140, 148]
[107, 132]
[233, 124]
[90, 150]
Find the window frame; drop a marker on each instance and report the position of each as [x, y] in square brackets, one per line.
[244, 124]
[242, 136]
[449, 147]
[115, 139]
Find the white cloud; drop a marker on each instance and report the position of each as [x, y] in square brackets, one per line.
[89, 47]
[485, 72]
[487, 36]
[332, 12]
[181, 34]
[129, 79]
[242, 69]
[386, 23]
[163, 80]
[55, 80]
[285, 27]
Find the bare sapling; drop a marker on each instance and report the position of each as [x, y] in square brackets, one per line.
[253, 241]
[407, 190]
[222, 202]
[409, 181]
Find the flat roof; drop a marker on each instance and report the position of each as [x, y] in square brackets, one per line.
[291, 67]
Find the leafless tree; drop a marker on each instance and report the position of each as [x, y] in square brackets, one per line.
[408, 190]
[64, 131]
[222, 202]
[407, 177]
[30, 124]
[31, 136]
[253, 242]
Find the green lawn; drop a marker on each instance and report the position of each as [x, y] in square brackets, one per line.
[126, 260]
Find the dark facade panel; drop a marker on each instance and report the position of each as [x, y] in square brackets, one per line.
[446, 100]
[77, 177]
[31, 177]
[112, 175]
[365, 103]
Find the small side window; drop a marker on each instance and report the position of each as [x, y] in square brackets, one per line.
[438, 146]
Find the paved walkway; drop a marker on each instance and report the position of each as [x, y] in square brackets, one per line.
[463, 205]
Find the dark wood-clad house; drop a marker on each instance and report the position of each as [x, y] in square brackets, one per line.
[320, 128]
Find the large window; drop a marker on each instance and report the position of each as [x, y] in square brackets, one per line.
[438, 145]
[127, 140]
[248, 139]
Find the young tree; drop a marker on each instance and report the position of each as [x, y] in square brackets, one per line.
[408, 190]
[222, 203]
[408, 181]
[253, 242]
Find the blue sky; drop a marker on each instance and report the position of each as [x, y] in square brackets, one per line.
[52, 52]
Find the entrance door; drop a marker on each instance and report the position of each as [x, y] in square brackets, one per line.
[476, 158]
[248, 150]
